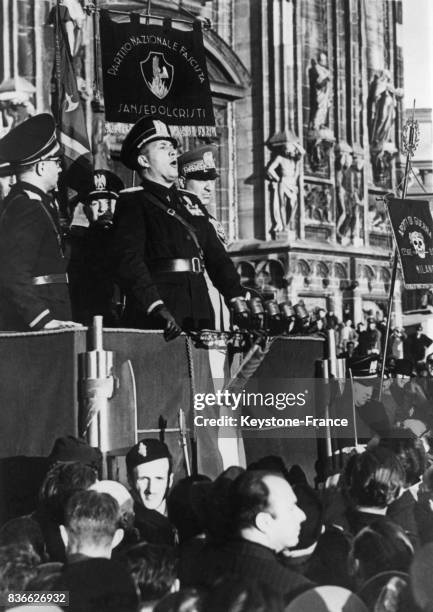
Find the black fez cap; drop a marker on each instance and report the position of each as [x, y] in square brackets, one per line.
[149, 449]
[30, 141]
[68, 448]
[105, 184]
[144, 131]
[199, 163]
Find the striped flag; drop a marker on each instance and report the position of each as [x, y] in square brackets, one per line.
[66, 103]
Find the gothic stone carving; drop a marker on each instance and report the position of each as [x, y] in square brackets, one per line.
[283, 172]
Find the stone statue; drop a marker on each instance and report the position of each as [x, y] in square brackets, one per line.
[344, 161]
[320, 92]
[284, 170]
[348, 176]
[381, 104]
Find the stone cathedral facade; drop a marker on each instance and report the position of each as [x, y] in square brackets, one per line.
[308, 104]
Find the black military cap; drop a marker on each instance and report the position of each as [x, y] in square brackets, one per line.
[31, 141]
[149, 449]
[199, 163]
[105, 184]
[69, 448]
[144, 131]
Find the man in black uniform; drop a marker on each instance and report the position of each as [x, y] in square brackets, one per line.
[93, 291]
[163, 243]
[33, 282]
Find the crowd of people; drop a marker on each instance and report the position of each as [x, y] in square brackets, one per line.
[261, 539]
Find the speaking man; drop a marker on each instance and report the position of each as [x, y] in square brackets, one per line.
[164, 242]
[33, 281]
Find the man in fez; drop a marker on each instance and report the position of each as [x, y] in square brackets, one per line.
[149, 466]
[163, 244]
[34, 291]
[93, 290]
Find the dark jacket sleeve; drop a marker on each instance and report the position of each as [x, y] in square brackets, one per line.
[220, 267]
[129, 241]
[18, 255]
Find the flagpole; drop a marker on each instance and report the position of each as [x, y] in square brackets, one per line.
[58, 113]
[409, 146]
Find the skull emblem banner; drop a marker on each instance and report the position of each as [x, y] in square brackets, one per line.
[412, 226]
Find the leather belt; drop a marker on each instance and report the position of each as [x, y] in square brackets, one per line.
[178, 265]
[50, 279]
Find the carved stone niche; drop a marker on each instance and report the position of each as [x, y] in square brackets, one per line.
[303, 268]
[377, 222]
[322, 271]
[319, 211]
[320, 143]
[367, 275]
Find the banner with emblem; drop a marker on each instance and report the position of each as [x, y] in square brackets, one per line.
[160, 71]
[412, 226]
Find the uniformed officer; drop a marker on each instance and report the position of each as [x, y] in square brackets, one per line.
[164, 241]
[33, 282]
[93, 291]
[198, 173]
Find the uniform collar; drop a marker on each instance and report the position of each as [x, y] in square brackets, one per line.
[24, 185]
[158, 189]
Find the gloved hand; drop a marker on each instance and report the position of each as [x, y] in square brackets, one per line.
[167, 322]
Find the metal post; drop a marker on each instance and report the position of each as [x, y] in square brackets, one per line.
[410, 146]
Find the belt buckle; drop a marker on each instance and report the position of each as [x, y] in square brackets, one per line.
[196, 265]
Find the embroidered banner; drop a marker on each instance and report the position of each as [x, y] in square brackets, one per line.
[159, 71]
[412, 226]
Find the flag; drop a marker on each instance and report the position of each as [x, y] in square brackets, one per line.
[412, 226]
[158, 71]
[66, 103]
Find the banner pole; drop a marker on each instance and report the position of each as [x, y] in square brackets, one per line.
[409, 148]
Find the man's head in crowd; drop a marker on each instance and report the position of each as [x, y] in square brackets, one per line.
[373, 478]
[181, 506]
[62, 480]
[265, 510]
[149, 467]
[382, 546]
[91, 526]
[18, 565]
[197, 169]
[23, 531]
[150, 149]
[121, 494]
[410, 451]
[154, 569]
